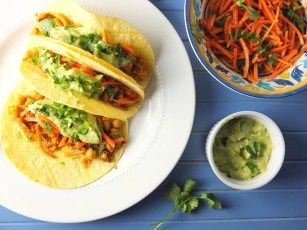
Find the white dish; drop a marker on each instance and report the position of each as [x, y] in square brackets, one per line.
[277, 155]
[158, 133]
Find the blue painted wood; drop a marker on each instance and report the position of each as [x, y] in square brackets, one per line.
[264, 224]
[288, 116]
[195, 148]
[292, 175]
[237, 205]
[169, 4]
[279, 205]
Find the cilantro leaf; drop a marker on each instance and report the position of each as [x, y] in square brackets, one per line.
[173, 193]
[46, 25]
[48, 127]
[185, 201]
[252, 167]
[35, 59]
[211, 200]
[245, 34]
[272, 58]
[295, 18]
[189, 205]
[189, 185]
[249, 36]
[220, 22]
[253, 14]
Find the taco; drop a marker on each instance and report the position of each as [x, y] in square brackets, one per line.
[111, 40]
[56, 145]
[74, 78]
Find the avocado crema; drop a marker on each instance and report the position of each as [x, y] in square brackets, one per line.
[242, 148]
[71, 122]
[66, 77]
[87, 40]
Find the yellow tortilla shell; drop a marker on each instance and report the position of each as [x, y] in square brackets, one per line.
[119, 31]
[44, 84]
[61, 172]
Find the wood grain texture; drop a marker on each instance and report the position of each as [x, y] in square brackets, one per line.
[278, 205]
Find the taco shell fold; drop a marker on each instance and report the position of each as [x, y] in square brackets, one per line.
[44, 84]
[119, 31]
[61, 172]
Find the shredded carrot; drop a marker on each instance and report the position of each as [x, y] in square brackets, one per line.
[119, 139]
[125, 101]
[108, 140]
[246, 38]
[128, 48]
[246, 54]
[235, 58]
[107, 83]
[284, 62]
[220, 48]
[300, 36]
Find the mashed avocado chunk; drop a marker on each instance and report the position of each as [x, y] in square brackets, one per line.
[69, 78]
[88, 41]
[242, 148]
[73, 123]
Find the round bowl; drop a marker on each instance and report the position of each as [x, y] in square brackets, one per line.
[289, 82]
[277, 155]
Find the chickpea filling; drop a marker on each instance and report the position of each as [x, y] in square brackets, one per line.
[69, 74]
[51, 139]
[120, 55]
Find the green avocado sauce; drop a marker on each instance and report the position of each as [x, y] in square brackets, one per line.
[72, 122]
[69, 78]
[242, 148]
[87, 40]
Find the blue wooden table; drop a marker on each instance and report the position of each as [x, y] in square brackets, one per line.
[282, 204]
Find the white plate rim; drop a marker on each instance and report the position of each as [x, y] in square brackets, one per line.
[186, 117]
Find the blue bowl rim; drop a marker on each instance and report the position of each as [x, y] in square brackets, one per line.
[212, 72]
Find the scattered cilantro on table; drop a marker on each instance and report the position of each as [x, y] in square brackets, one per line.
[185, 201]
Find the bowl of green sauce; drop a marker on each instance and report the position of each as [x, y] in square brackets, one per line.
[245, 150]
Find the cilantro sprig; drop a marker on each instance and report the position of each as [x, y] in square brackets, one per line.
[253, 14]
[185, 201]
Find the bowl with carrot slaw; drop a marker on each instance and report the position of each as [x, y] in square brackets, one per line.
[254, 47]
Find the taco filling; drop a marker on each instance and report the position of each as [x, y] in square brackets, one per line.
[121, 56]
[69, 74]
[56, 126]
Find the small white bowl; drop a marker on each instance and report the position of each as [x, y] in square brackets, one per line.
[277, 155]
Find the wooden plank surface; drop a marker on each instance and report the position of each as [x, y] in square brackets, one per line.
[279, 205]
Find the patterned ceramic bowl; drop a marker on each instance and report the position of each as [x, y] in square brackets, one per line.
[289, 82]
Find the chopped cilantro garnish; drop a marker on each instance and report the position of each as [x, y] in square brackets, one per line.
[48, 127]
[253, 14]
[295, 18]
[245, 34]
[35, 59]
[221, 22]
[272, 58]
[249, 36]
[252, 167]
[46, 25]
[185, 201]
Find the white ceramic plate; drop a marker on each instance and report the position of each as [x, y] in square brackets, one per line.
[158, 133]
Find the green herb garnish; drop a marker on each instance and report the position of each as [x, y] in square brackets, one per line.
[252, 167]
[46, 25]
[253, 14]
[295, 18]
[249, 36]
[35, 59]
[220, 22]
[48, 127]
[244, 34]
[185, 201]
[272, 58]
